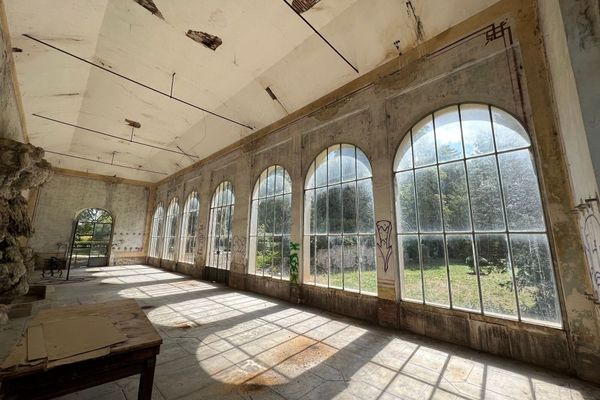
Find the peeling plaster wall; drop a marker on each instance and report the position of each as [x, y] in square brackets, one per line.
[375, 115]
[61, 198]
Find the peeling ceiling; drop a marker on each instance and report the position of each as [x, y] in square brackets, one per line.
[164, 62]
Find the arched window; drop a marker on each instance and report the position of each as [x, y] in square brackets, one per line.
[270, 224]
[171, 230]
[157, 231]
[219, 229]
[471, 229]
[339, 228]
[189, 226]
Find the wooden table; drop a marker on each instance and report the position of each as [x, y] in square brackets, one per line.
[136, 355]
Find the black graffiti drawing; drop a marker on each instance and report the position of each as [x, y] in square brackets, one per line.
[201, 238]
[239, 245]
[591, 233]
[384, 241]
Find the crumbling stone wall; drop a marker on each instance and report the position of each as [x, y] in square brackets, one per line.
[22, 167]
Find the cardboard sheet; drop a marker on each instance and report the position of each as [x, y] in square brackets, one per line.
[36, 346]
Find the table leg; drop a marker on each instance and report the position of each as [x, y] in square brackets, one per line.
[147, 379]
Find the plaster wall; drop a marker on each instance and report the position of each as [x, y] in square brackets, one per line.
[375, 113]
[63, 197]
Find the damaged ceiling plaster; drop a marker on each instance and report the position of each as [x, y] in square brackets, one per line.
[266, 42]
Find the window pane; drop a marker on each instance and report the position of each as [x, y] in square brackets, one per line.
[335, 260]
[334, 160]
[276, 252]
[287, 182]
[485, 194]
[322, 260]
[348, 163]
[285, 260]
[454, 197]
[428, 199]
[287, 213]
[310, 177]
[435, 274]
[310, 243]
[368, 273]
[521, 194]
[262, 256]
[366, 223]
[463, 276]
[406, 213]
[363, 166]
[495, 275]
[278, 180]
[335, 209]
[477, 129]
[262, 188]
[321, 208]
[351, 263]
[410, 269]
[423, 143]
[349, 207]
[403, 158]
[535, 278]
[508, 131]
[309, 212]
[321, 169]
[447, 134]
[278, 217]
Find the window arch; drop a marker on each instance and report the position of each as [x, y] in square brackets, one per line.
[171, 230]
[219, 230]
[189, 228]
[339, 227]
[469, 216]
[270, 224]
[157, 231]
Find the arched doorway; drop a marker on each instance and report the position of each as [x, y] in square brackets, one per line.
[92, 234]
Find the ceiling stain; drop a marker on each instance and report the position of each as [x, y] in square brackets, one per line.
[150, 6]
[208, 40]
[301, 6]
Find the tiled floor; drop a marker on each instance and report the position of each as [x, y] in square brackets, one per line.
[225, 344]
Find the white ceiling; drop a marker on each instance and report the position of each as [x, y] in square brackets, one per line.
[264, 45]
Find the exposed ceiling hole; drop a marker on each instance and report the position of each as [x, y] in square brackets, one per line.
[150, 6]
[17, 50]
[68, 94]
[208, 40]
[273, 97]
[301, 6]
[133, 123]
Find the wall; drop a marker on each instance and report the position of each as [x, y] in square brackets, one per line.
[60, 199]
[497, 57]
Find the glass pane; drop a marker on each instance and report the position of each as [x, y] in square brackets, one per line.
[335, 209]
[278, 218]
[363, 166]
[287, 182]
[310, 243]
[509, 132]
[424, 142]
[366, 222]
[495, 275]
[321, 169]
[463, 276]
[322, 260]
[428, 200]
[351, 263]
[403, 158]
[336, 279]
[485, 194]
[349, 207]
[410, 269]
[321, 208]
[477, 129]
[262, 257]
[309, 212]
[279, 180]
[455, 199]
[287, 213]
[435, 274]
[334, 164]
[406, 214]
[348, 163]
[276, 252]
[447, 134]
[285, 258]
[271, 181]
[535, 278]
[521, 194]
[368, 269]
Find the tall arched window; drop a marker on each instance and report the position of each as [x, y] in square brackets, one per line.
[471, 229]
[219, 229]
[171, 230]
[189, 225]
[270, 224]
[157, 231]
[339, 228]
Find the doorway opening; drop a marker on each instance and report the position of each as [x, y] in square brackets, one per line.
[92, 234]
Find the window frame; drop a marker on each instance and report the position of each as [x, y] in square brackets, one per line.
[184, 237]
[157, 231]
[213, 209]
[172, 213]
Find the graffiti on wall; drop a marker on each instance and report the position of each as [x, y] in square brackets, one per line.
[239, 245]
[201, 238]
[591, 239]
[384, 241]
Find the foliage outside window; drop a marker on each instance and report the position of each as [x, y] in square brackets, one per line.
[270, 224]
[339, 227]
[157, 231]
[92, 234]
[219, 230]
[189, 227]
[471, 229]
[171, 230]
